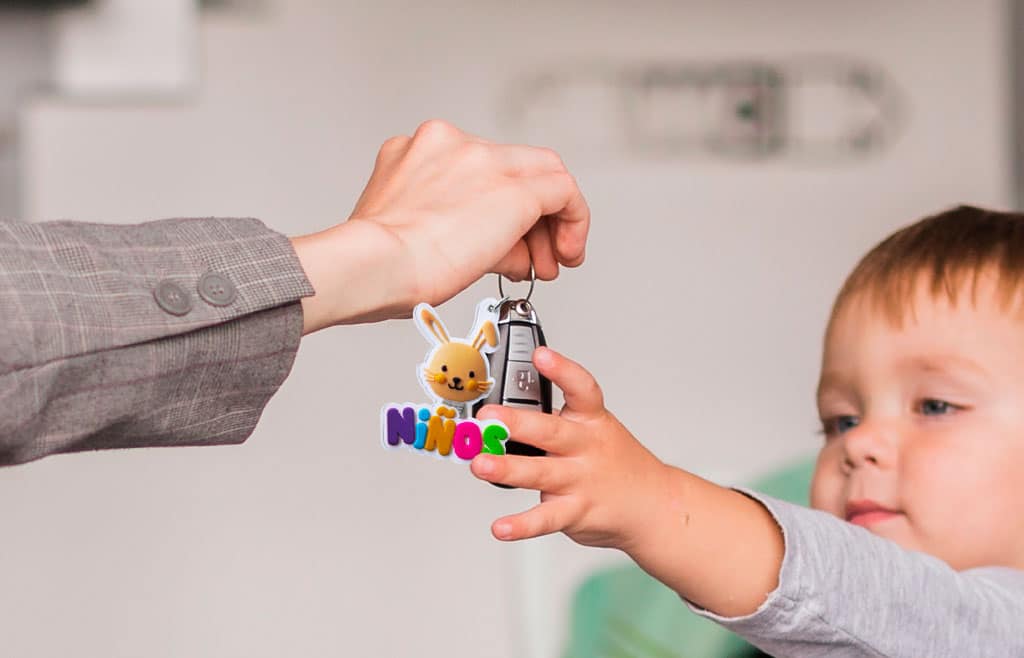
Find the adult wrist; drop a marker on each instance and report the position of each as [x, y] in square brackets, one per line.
[357, 273]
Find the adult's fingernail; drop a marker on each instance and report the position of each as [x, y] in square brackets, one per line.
[502, 530]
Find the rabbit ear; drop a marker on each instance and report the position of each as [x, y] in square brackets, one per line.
[428, 320]
[486, 334]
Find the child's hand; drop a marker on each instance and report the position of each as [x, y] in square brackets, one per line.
[602, 488]
[598, 484]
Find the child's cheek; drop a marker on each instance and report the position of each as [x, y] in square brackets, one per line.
[827, 481]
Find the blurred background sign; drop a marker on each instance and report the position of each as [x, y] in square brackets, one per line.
[820, 109]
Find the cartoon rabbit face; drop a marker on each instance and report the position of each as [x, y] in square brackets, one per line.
[456, 370]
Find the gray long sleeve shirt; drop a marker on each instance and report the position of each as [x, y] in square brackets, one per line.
[844, 591]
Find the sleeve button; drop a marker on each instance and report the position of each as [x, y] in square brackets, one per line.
[172, 298]
[216, 289]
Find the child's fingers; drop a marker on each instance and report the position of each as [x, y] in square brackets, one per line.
[544, 519]
[549, 433]
[541, 473]
[580, 389]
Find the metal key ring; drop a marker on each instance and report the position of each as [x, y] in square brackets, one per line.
[533, 279]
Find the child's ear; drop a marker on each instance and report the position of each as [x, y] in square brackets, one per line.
[487, 333]
[433, 324]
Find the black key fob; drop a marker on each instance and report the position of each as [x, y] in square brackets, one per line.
[516, 380]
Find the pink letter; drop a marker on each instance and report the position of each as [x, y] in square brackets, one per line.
[468, 441]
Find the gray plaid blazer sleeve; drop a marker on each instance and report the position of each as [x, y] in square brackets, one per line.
[118, 336]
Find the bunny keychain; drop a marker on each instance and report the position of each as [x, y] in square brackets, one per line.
[455, 373]
[492, 365]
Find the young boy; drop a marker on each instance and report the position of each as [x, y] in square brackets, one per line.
[916, 543]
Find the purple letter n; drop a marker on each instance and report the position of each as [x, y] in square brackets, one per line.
[401, 425]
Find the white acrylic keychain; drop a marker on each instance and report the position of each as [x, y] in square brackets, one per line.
[455, 374]
[492, 365]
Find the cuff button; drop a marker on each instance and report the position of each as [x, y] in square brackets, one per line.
[216, 289]
[172, 298]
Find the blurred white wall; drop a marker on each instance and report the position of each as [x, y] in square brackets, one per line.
[24, 66]
[700, 309]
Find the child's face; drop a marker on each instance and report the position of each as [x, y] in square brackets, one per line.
[928, 420]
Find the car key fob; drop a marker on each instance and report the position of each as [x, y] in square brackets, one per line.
[517, 383]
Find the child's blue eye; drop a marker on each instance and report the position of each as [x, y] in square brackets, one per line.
[932, 407]
[840, 424]
[848, 423]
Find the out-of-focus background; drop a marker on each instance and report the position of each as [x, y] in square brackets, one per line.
[738, 158]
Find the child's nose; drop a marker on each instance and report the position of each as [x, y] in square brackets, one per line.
[868, 444]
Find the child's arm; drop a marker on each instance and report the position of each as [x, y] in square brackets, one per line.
[829, 587]
[844, 591]
[714, 546]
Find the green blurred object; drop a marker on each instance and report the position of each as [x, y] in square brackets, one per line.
[624, 613]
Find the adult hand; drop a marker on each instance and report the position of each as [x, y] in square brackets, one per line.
[441, 209]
